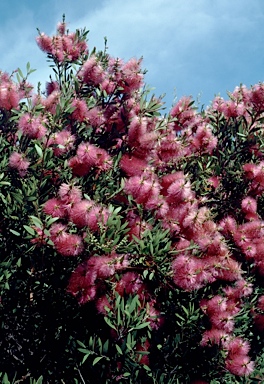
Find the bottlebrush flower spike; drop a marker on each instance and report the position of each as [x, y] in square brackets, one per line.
[32, 126]
[132, 166]
[69, 244]
[80, 112]
[19, 162]
[240, 365]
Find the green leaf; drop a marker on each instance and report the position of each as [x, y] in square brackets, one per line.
[36, 221]
[81, 344]
[108, 322]
[40, 380]
[29, 230]
[20, 72]
[39, 150]
[140, 326]
[14, 232]
[126, 374]
[98, 358]
[119, 350]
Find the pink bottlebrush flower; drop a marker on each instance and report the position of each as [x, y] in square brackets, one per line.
[130, 283]
[44, 42]
[91, 72]
[241, 289]
[229, 269]
[183, 113]
[51, 102]
[167, 180]
[245, 288]
[185, 272]
[104, 161]
[261, 302]
[70, 194]
[61, 28]
[32, 126]
[103, 265]
[154, 316]
[143, 359]
[249, 249]
[87, 153]
[256, 97]
[57, 230]
[142, 188]
[79, 168]
[19, 162]
[95, 117]
[89, 156]
[170, 148]
[96, 217]
[239, 365]
[132, 166]
[214, 181]
[242, 94]
[250, 170]
[228, 225]
[223, 320]
[131, 75]
[180, 191]
[204, 141]
[249, 205]
[108, 86]
[233, 306]
[215, 337]
[79, 213]
[61, 142]
[51, 87]
[41, 236]
[137, 128]
[121, 261]
[82, 283]
[214, 306]
[101, 303]
[9, 95]
[69, 245]
[238, 346]
[80, 112]
[55, 208]
[162, 209]
[136, 226]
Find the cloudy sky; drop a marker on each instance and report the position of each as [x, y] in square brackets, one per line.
[189, 47]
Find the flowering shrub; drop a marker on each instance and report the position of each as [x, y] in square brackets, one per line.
[131, 241]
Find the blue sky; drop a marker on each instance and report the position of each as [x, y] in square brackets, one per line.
[189, 47]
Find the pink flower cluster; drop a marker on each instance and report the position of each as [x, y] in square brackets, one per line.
[221, 311]
[61, 142]
[124, 77]
[247, 236]
[69, 205]
[89, 156]
[32, 126]
[19, 162]
[10, 95]
[84, 282]
[255, 173]
[63, 47]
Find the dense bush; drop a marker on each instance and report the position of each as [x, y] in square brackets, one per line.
[131, 241]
